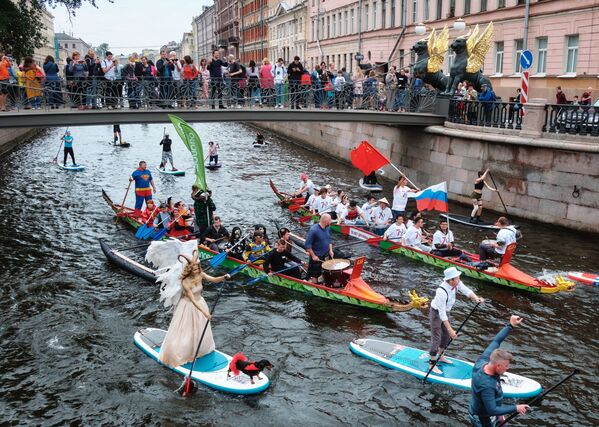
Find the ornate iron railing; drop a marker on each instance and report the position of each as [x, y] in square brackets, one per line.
[572, 119]
[504, 115]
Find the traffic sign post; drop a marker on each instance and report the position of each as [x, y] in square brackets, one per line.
[526, 59]
[525, 63]
[358, 57]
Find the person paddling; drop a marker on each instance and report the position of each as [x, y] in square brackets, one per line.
[213, 152]
[477, 194]
[318, 245]
[443, 241]
[306, 186]
[486, 403]
[167, 154]
[506, 235]
[68, 148]
[280, 259]
[117, 136]
[215, 234]
[143, 180]
[441, 305]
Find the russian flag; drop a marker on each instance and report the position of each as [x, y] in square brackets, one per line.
[433, 198]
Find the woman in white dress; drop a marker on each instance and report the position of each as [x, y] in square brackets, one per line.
[189, 318]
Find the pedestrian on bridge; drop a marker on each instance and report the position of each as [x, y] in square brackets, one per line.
[143, 180]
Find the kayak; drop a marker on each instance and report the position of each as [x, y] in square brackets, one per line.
[503, 274]
[210, 369]
[459, 374]
[213, 166]
[465, 220]
[287, 199]
[170, 172]
[586, 278]
[73, 168]
[375, 188]
[355, 292]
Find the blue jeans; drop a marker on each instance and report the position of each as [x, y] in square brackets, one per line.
[256, 95]
[91, 92]
[280, 93]
[476, 421]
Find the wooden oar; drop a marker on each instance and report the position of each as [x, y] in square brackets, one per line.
[369, 241]
[274, 273]
[123, 202]
[540, 397]
[499, 194]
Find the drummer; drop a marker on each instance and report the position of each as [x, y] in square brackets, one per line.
[318, 245]
[216, 235]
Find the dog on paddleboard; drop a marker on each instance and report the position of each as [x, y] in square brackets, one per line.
[251, 368]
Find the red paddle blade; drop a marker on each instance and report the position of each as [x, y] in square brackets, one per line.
[188, 387]
[294, 208]
[305, 218]
[374, 240]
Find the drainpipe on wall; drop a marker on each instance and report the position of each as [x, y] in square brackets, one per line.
[318, 28]
[360, 26]
[526, 12]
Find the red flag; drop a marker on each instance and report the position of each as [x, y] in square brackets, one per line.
[366, 158]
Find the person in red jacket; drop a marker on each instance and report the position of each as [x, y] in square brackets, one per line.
[189, 75]
[560, 97]
[305, 84]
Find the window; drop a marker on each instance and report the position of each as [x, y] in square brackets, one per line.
[403, 12]
[439, 9]
[412, 58]
[374, 16]
[392, 20]
[328, 27]
[466, 7]
[541, 54]
[498, 57]
[401, 57]
[339, 33]
[351, 21]
[414, 10]
[313, 30]
[383, 14]
[334, 24]
[483, 5]
[518, 47]
[366, 20]
[451, 13]
[345, 22]
[500, 4]
[572, 53]
[73, 45]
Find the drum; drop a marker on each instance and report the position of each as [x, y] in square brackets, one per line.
[333, 272]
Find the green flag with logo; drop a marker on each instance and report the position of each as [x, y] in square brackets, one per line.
[192, 141]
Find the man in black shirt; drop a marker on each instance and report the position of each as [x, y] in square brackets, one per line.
[167, 154]
[235, 73]
[215, 234]
[279, 258]
[216, 79]
[294, 73]
[402, 84]
[164, 70]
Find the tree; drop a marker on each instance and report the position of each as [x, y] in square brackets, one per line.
[101, 50]
[21, 26]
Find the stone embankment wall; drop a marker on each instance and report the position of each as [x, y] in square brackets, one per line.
[10, 138]
[537, 177]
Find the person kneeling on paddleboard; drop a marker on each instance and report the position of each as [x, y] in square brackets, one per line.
[441, 330]
[486, 403]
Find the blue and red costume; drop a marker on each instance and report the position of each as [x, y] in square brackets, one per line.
[143, 190]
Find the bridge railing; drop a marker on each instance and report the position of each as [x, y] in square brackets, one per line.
[151, 92]
[572, 119]
[504, 115]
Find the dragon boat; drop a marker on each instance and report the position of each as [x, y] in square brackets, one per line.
[356, 292]
[503, 273]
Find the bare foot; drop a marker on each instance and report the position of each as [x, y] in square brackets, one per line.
[443, 359]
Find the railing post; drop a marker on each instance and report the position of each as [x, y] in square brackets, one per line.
[532, 125]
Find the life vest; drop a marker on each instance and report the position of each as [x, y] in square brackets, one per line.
[352, 214]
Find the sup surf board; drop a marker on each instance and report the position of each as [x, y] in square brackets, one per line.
[375, 188]
[586, 278]
[169, 172]
[210, 370]
[122, 145]
[415, 362]
[74, 168]
[213, 166]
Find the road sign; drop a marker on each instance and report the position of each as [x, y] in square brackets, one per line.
[359, 57]
[526, 60]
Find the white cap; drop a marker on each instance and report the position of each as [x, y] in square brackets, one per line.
[451, 273]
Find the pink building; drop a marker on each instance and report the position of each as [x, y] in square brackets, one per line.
[560, 35]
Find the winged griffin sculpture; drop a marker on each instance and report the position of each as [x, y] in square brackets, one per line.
[470, 51]
[431, 53]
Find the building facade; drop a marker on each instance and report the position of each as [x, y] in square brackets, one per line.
[186, 47]
[560, 35]
[287, 25]
[202, 28]
[69, 44]
[226, 26]
[254, 30]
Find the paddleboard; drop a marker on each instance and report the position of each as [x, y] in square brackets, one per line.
[415, 362]
[74, 168]
[586, 278]
[170, 172]
[259, 145]
[375, 188]
[123, 145]
[465, 220]
[210, 370]
[212, 166]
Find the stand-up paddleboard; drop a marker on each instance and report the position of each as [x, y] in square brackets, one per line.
[375, 188]
[256, 145]
[586, 278]
[122, 145]
[415, 362]
[170, 172]
[74, 168]
[465, 220]
[210, 370]
[213, 166]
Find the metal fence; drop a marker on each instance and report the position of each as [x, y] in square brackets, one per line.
[504, 115]
[152, 92]
[572, 119]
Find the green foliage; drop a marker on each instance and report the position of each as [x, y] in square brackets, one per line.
[20, 27]
[101, 50]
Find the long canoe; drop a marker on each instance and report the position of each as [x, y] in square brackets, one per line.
[505, 274]
[356, 292]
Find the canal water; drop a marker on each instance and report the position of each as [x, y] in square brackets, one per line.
[67, 317]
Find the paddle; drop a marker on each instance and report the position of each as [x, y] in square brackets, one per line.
[369, 241]
[257, 279]
[450, 340]
[55, 159]
[498, 193]
[157, 234]
[540, 397]
[219, 258]
[306, 218]
[142, 230]
[123, 202]
[294, 208]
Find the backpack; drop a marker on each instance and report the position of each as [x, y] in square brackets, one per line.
[243, 71]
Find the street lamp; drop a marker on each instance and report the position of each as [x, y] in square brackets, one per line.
[420, 29]
[459, 24]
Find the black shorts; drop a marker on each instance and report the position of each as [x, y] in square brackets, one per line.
[116, 128]
[4, 84]
[314, 268]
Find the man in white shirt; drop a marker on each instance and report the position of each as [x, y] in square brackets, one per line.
[109, 70]
[176, 82]
[400, 197]
[396, 231]
[368, 207]
[506, 236]
[381, 216]
[413, 236]
[441, 330]
[443, 241]
[305, 186]
[353, 215]
[324, 203]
